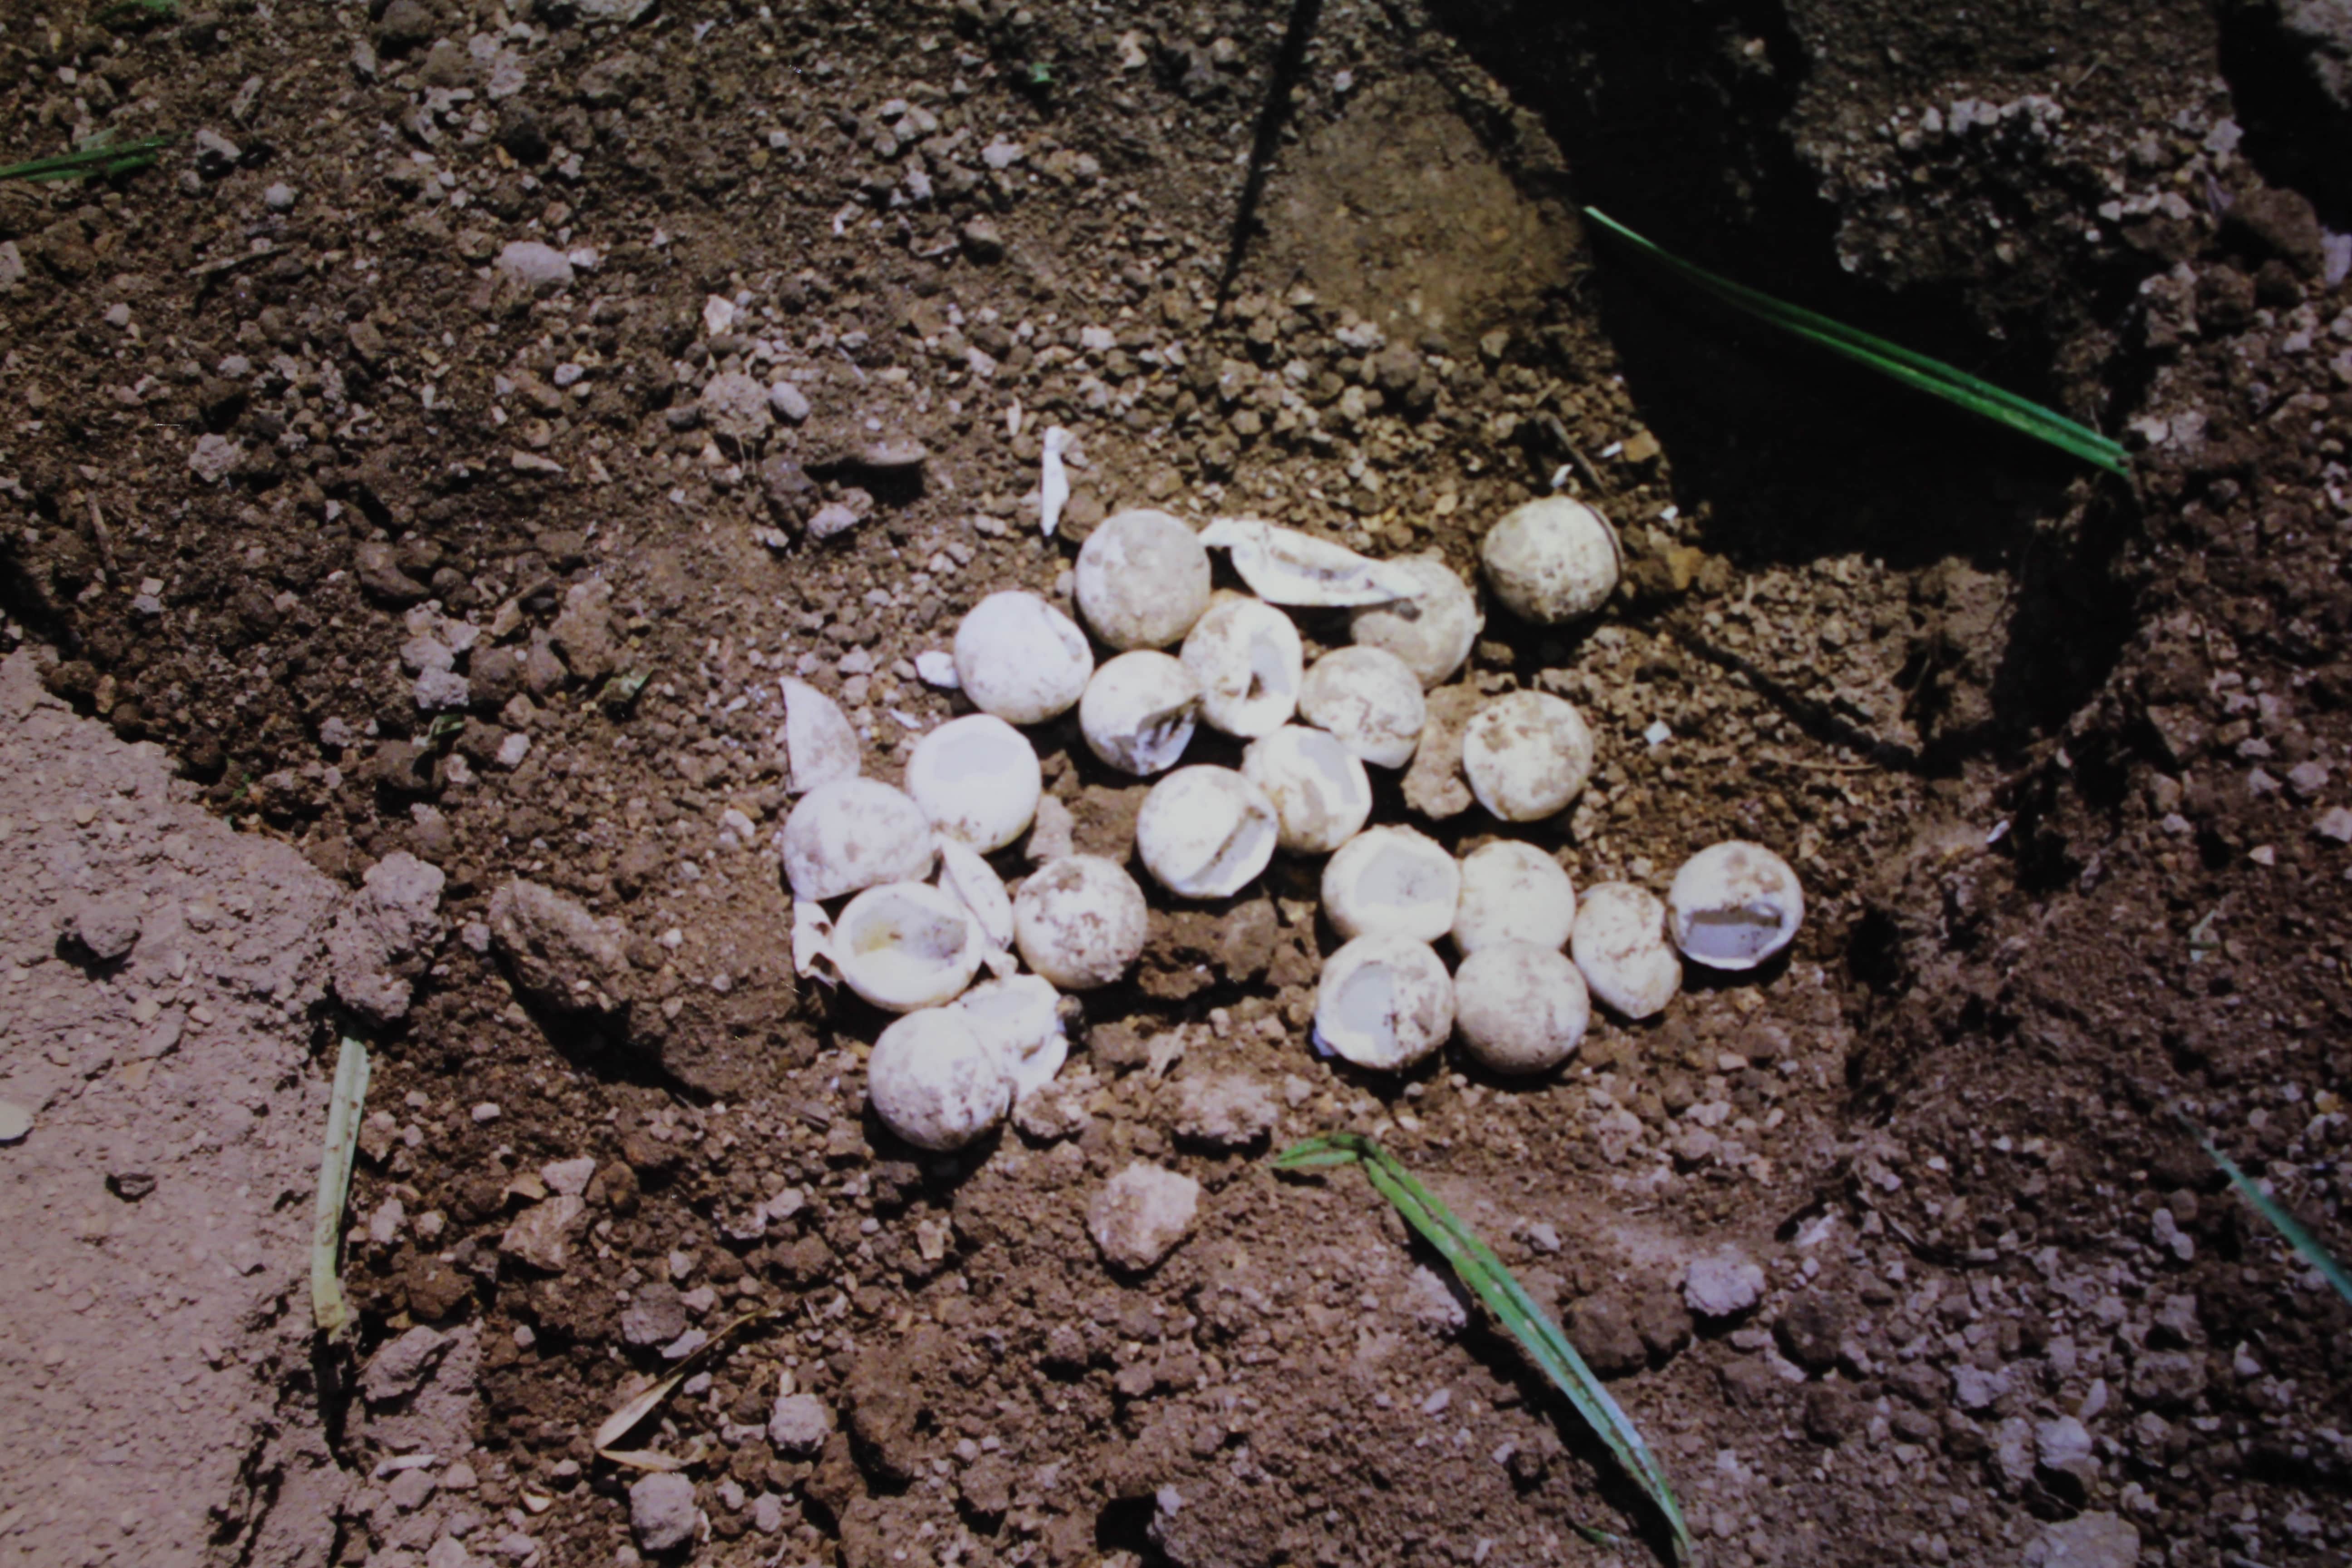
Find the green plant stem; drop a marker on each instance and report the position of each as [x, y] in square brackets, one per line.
[329, 1311]
[100, 157]
[2298, 1235]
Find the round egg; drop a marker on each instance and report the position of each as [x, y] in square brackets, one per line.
[1021, 659]
[1620, 946]
[1526, 755]
[852, 833]
[1138, 712]
[936, 1081]
[1433, 631]
[978, 780]
[1734, 905]
[1384, 1002]
[1392, 881]
[1320, 793]
[1551, 561]
[1249, 661]
[1513, 892]
[1205, 832]
[1371, 700]
[1142, 580]
[1079, 921]
[1520, 1008]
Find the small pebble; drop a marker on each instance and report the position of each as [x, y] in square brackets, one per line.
[15, 1122]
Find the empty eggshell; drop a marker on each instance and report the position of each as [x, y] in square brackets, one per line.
[1384, 1002]
[1284, 566]
[1553, 561]
[1434, 630]
[1205, 832]
[818, 740]
[1023, 1016]
[1733, 905]
[905, 946]
[1513, 892]
[1392, 881]
[1138, 712]
[1022, 660]
[1520, 1008]
[1248, 659]
[977, 779]
[1526, 755]
[1321, 796]
[1142, 579]
[936, 1081]
[1370, 698]
[980, 889]
[853, 834]
[1621, 947]
[1080, 921]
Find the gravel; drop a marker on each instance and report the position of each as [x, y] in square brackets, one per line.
[1141, 1213]
[661, 1511]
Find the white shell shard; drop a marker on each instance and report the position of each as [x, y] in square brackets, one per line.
[851, 835]
[1052, 481]
[1284, 566]
[1080, 922]
[1621, 947]
[1321, 796]
[1513, 892]
[978, 780]
[813, 943]
[1248, 659]
[1392, 881]
[818, 741]
[1520, 1008]
[1371, 700]
[977, 887]
[1553, 561]
[1023, 1017]
[1205, 832]
[1526, 755]
[1022, 660]
[905, 946]
[936, 1082]
[1140, 712]
[1142, 579]
[1384, 1002]
[1433, 631]
[936, 667]
[1733, 905]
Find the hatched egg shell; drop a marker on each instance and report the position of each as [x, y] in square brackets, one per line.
[1023, 1016]
[1621, 947]
[1371, 700]
[1142, 579]
[1284, 566]
[1734, 905]
[1080, 921]
[980, 889]
[1140, 712]
[1022, 660]
[1205, 832]
[978, 779]
[1520, 1008]
[1513, 892]
[905, 946]
[1526, 755]
[1434, 630]
[813, 943]
[936, 667]
[1392, 881]
[1321, 796]
[853, 834]
[818, 741]
[936, 1081]
[1249, 661]
[1553, 561]
[1384, 1002]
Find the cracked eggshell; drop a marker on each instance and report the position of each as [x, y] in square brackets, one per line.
[853, 834]
[1022, 660]
[975, 885]
[1520, 1007]
[1384, 1002]
[818, 741]
[1023, 1016]
[1734, 905]
[1140, 712]
[1513, 892]
[1080, 921]
[1433, 631]
[1526, 755]
[1392, 881]
[1621, 947]
[1553, 561]
[1249, 661]
[1142, 579]
[1284, 566]
[978, 780]
[1370, 699]
[1205, 832]
[936, 1081]
[906, 945]
[1322, 794]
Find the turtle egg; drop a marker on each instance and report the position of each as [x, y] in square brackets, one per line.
[1392, 881]
[1247, 657]
[1079, 921]
[1733, 905]
[1513, 892]
[1384, 1002]
[1433, 631]
[1370, 698]
[1321, 794]
[1520, 1008]
[905, 946]
[1142, 580]
[937, 1081]
[1621, 947]
[1526, 755]
[852, 833]
[1204, 832]
[1021, 659]
[1139, 710]
[977, 779]
[1023, 1017]
[1551, 561]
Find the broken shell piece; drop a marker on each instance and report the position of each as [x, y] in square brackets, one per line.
[1320, 793]
[1621, 947]
[853, 834]
[905, 946]
[1053, 480]
[1023, 1016]
[1139, 710]
[1553, 561]
[813, 943]
[1384, 1002]
[977, 779]
[1733, 905]
[1142, 580]
[818, 741]
[1080, 922]
[936, 1081]
[977, 887]
[1204, 832]
[1526, 755]
[1022, 660]
[1392, 881]
[936, 667]
[1513, 892]
[891, 453]
[1433, 631]
[1248, 659]
[1284, 566]
[1521, 1008]
[1370, 699]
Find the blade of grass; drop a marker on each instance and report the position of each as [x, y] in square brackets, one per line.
[2270, 1209]
[329, 1311]
[1507, 1299]
[103, 158]
[1933, 376]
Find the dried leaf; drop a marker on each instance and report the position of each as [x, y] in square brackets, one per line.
[641, 1403]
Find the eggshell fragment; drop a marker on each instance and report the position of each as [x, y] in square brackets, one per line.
[1621, 947]
[1434, 630]
[1520, 1008]
[1205, 832]
[1526, 755]
[1513, 892]
[980, 889]
[1022, 660]
[1384, 1002]
[818, 741]
[977, 778]
[1371, 700]
[1140, 712]
[1080, 921]
[905, 946]
[1248, 659]
[851, 835]
[1734, 905]
[936, 1081]
[1320, 793]
[1023, 1017]
[1284, 566]
[1553, 561]
[1392, 881]
[1142, 579]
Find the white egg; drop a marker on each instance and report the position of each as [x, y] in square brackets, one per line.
[1621, 947]
[853, 833]
[1369, 698]
[1205, 832]
[1553, 561]
[905, 946]
[1142, 580]
[1513, 892]
[1023, 1016]
[1392, 881]
[1080, 921]
[936, 1081]
[978, 780]
[1022, 660]
[1520, 1008]
[1733, 905]
[1248, 659]
[1138, 712]
[1384, 1002]
[1526, 755]
[1320, 793]
[1433, 631]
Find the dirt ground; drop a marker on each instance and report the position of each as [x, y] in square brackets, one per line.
[370, 463]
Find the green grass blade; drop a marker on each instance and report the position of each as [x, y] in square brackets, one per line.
[1933, 376]
[329, 1311]
[2270, 1209]
[99, 157]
